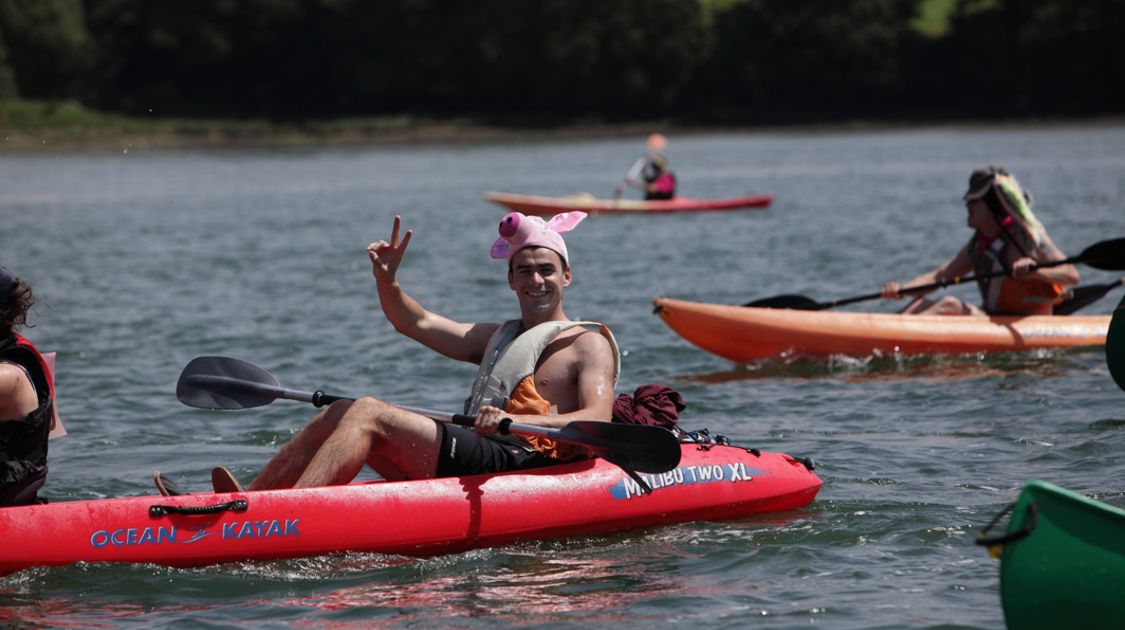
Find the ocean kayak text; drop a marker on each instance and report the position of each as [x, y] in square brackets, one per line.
[235, 530]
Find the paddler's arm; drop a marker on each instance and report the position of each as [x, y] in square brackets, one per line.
[634, 173]
[1065, 275]
[594, 361]
[17, 395]
[949, 271]
[456, 340]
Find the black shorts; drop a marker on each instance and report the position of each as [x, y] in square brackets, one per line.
[465, 452]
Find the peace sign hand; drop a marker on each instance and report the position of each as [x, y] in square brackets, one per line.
[385, 257]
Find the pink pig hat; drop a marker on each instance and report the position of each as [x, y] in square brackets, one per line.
[518, 231]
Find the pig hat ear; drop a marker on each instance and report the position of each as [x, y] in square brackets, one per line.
[518, 231]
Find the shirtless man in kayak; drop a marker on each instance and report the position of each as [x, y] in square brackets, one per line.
[570, 375]
[1007, 236]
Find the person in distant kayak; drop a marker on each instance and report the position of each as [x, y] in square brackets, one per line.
[657, 182]
[26, 399]
[541, 369]
[1007, 237]
[650, 173]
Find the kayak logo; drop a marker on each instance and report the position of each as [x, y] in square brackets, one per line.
[236, 530]
[260, 529]
[130, 536]
[733, 472]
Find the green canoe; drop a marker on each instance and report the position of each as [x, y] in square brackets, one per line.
[1062, 561]
[1115, 345]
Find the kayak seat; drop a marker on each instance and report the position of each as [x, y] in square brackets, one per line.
[167, 486]
[223, 481]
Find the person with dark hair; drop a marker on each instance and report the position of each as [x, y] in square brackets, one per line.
[26, 399]
[1006, 238]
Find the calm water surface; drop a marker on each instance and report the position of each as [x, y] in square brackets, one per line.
[145, 259]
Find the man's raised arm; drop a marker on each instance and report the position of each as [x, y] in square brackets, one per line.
[464, 342]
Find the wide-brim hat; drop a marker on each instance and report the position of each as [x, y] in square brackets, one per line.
[982, 179]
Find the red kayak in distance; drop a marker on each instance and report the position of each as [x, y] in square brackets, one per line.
[547, 206]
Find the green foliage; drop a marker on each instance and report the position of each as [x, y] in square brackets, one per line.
[9, 89]
[778, 59]
[552, 61]
[48, 46]
[933, 17]
[31, 115]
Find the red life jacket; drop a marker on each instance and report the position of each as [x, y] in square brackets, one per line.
[23, 441]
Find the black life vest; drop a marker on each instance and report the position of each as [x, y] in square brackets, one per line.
[667, 188]
[23, 441]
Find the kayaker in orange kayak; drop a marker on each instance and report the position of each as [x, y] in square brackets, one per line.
[1007, 237]
[26, 399]
[549, 369]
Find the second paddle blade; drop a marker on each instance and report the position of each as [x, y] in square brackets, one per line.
[799, 302]
[636, 447]
[1106, 255]
[224, 383]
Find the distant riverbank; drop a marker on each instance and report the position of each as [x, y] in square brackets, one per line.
[42, 126]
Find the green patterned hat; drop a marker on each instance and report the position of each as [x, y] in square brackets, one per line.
[1014, 200]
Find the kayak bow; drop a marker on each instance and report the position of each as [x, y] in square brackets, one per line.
[1062, 560]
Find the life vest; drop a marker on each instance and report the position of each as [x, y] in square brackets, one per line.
[23, 441]
[506, 369]
[1004, 295]
[660, 186]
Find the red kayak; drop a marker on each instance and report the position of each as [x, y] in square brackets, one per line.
[415, 518]
[545, 206]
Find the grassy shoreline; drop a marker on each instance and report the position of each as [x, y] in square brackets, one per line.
[32, 126]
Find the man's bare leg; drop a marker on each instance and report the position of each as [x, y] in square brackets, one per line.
[286, 467]
[397, 443]
[947, 305]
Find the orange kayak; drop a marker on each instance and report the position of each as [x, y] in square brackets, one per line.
[544, 206]
[743, 334]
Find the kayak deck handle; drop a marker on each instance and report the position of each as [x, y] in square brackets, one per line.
[996, 544]
[237, 505]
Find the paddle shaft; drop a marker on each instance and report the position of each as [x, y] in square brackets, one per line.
[225, 383]
[320, 399]
[630, 175]
[820, 306]
[1108, 255]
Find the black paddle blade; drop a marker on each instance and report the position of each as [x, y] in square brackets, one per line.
[638, 447]
[798, 302]
[1108, 255]
[225, 383]
[1084, 296]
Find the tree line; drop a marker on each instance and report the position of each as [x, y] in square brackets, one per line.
[541, 61]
